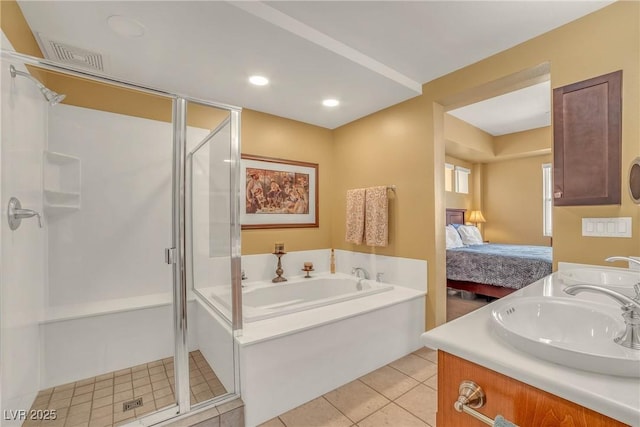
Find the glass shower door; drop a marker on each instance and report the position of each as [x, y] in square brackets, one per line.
[86, 301]
[87, 332]
[210, 241]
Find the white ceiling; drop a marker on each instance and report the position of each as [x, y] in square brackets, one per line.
[520, 110]
[369, 55]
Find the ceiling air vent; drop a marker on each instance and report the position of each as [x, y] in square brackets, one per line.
[68, 54]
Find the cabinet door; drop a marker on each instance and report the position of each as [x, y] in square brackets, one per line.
[587, 142]
[518, 402]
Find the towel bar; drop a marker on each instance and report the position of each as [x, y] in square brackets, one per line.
[471, 396]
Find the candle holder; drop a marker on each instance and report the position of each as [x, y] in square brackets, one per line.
[279, 269]
[307, 270]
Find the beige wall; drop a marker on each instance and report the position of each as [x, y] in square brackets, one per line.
[528, 143]
[262, 134]
[466, 141]
[404, 145]
[613, 40]
[499, 188]
[386, 148]
[512, 187]
[512, 197]
[612, 35]
[272, 136]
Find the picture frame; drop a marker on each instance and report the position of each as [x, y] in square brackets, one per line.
[278, 193]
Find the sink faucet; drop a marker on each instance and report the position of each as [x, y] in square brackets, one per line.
[630, 338]
[622, 258]
[356, 272]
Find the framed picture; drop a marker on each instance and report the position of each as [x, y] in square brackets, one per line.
[278, 193]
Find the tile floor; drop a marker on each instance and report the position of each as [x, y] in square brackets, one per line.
[98, 401]
[402, 393]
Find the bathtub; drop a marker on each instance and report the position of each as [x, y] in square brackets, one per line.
[305, 337]
[264, 300]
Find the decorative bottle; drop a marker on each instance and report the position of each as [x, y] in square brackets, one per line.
[333, 262]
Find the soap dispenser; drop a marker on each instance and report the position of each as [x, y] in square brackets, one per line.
[333, 262]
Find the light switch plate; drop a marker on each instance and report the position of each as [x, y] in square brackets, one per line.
[606, 227]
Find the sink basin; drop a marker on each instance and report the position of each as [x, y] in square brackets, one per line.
[600, 276]
[578, 334]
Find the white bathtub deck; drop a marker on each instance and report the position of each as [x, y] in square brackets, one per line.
[255, 332]
[291, 359]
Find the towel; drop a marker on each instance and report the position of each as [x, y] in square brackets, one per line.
[499, 421]
[355, 216]
[376, 224]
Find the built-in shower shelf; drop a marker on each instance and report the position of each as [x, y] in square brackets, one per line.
[59, 158]
[61, 182]
[57, 209]
[66, 198]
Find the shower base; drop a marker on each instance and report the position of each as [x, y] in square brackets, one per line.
[100, 401]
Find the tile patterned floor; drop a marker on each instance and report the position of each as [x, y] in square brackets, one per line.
[98, 401]
[402, 393]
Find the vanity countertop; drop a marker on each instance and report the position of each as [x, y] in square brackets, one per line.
[471, 337]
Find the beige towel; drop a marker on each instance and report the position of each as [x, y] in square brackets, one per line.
[355, 216]
[376, 224]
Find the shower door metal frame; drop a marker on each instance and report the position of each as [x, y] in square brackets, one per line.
[181, 353]
[178, 225]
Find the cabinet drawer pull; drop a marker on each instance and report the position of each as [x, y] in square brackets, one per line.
[471, 396]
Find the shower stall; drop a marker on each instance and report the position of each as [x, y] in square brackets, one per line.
[119, 208]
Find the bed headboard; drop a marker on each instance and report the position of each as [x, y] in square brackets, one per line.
[455, 216]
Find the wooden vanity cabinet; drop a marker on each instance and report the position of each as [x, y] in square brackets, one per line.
[587, 140]
[518, 402]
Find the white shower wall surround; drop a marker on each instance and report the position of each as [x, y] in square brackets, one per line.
[112, 247]
[73, 349]
[90, 292]
[24, 124]
[407, 272]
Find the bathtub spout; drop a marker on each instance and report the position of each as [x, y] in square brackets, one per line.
[356, 272]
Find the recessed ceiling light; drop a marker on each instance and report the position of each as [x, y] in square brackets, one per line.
[125, 26]
[259, 80]
[330, 102]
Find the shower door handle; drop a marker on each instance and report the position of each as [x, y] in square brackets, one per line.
[170, 255]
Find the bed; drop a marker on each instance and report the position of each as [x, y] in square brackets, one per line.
[494, 270]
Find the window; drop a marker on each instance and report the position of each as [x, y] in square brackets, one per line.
[448, 177]
[547, 200]
[462, 179]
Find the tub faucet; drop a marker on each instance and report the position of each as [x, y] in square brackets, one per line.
[623, 258]
[630, 338]
[356, 272]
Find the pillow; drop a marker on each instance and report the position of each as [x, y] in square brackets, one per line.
[453, 238]
[470, 235]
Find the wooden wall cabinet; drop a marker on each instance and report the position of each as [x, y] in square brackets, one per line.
[587, 124]
[518, 402]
